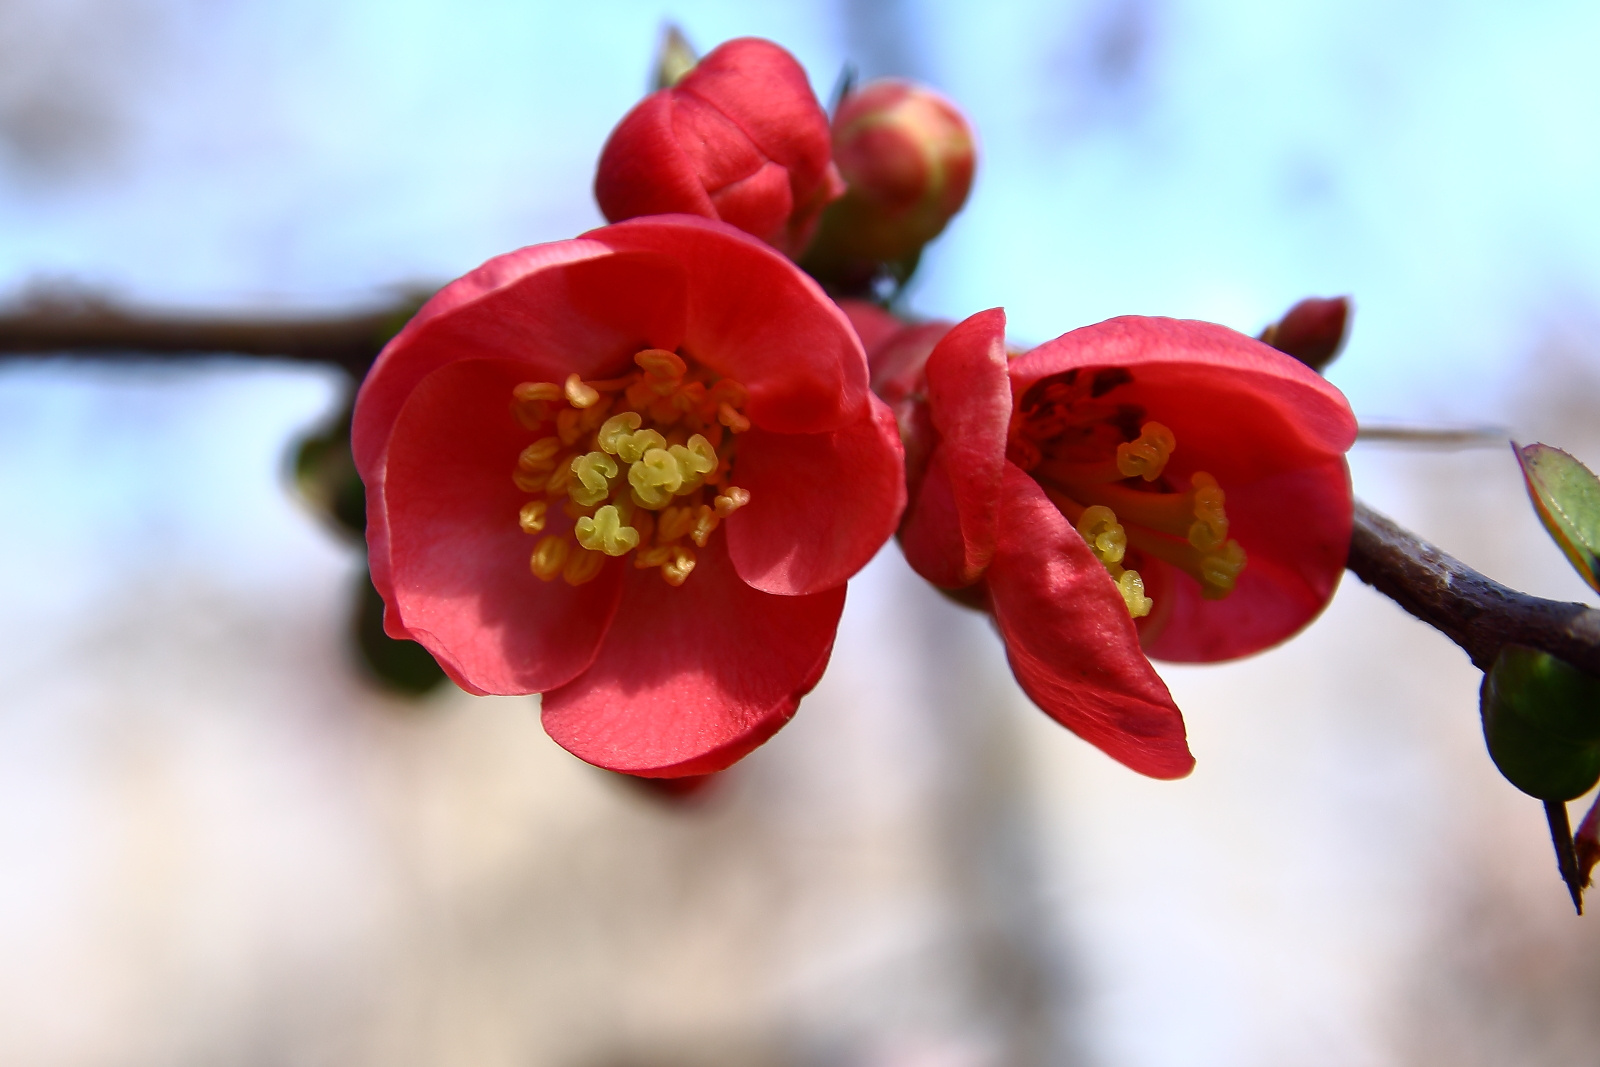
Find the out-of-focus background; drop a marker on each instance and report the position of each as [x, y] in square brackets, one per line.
[219, 844]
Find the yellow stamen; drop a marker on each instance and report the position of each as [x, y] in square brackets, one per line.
[1210, 528]
[732, 419]
[1131, 586]
[1109, 541]
[696, 459]
[616, 430]
[732, 499]
[578, 394]
[673, 523]
[582, 566]
[606, 533]
[705, 524]
[539, 456]
[627, 461]
[594, 472]
[549, 556]
[533, 515]
[655, 478]
[1146, 457]
[676, 570]
[1219, 571]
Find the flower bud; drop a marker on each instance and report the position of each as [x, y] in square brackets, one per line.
[907, 155]
[1313, 331]
[740, 138]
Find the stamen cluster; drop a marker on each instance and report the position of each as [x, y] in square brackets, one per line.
[639, 463]
[1097, 459]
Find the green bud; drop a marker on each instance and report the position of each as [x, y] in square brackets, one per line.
[1541, 720]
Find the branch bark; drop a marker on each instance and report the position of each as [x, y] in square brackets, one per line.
[1476, 612]
[107, 331]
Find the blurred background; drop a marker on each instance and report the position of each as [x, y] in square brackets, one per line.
[221, 844]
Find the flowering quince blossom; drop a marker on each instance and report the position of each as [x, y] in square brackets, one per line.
[632, 472]
[741, 138]
[1143, 480]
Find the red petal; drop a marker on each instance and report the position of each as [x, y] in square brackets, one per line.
[1295, 530]
[930, 536]
[645, 168]
[754, 317]
[1071, 643]
[820, 504]
[452, 562]
[970, 399]
[1211, 385]
[572, 306]
[691, 679]
[764, 91]
[758, 204]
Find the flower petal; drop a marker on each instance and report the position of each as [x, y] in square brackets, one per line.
[572, 306]
[820, 504]
[969, 396]
[1295, 529]
[644, 168]
[1071, 643]
[688, 680]
[452, 561]
[1243, 400]
[753, 316]
[930, 536]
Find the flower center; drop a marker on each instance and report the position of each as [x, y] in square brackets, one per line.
[639, 463]
[1101, 463]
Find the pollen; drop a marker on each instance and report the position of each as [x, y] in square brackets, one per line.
[638, 464]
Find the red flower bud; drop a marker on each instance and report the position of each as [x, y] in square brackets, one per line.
[741, 139]
[907, 155]
[1313, 331]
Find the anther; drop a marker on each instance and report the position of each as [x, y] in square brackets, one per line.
[1209, 531]
[1131, 586]
[655, 478]
[578, 394]
[605, 533]
[705, 524]
[560, 478]
[1107, 539]
[646, 558]
[631, 449]
[676, 570]
[539, 456]
[528, 392]
[582, 566]
[549, 556]
[731, 499]
[616, 430]
[594, 471]
[1146, 457]
[732, 419]
[533, 515]
[660, 364]
[1219, 572]
[696, 459]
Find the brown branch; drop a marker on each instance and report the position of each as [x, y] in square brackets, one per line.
[1477, 613]
[78, 327]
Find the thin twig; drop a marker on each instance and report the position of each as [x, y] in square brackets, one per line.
[1477, 613]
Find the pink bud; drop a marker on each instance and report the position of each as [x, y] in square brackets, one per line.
[1313, 331]
[907, 155]
[740, 138]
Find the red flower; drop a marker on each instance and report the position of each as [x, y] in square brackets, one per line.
[741, 138]
[675, 424]
[1142, 480]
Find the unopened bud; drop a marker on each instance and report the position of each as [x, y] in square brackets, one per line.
[907, 156]
[1313, 331]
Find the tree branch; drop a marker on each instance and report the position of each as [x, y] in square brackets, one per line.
[1475, 612]
[78, 326]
